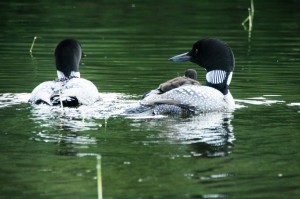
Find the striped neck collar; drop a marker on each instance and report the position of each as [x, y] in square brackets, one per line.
[219, 79]
[60, 75]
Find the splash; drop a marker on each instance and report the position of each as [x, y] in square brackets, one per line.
[263, 100]
[75, 119]
[10, 99]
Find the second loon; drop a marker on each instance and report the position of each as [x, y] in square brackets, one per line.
[217, 58]
[68, 89]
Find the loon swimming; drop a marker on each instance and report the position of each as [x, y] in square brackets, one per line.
[217, 58]
[68, 89]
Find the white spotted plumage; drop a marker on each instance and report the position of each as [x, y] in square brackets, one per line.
[194, 97]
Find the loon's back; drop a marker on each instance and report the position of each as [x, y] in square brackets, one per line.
[71, 92]
[193, 98]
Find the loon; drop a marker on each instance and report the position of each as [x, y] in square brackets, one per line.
[217, 58]
[190, 77]
[68, 89]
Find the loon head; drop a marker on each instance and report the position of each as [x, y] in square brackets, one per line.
[216, 57]
[67, 57]
[191, 73]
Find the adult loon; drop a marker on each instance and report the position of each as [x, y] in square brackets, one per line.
[217, 58]
[68, 89]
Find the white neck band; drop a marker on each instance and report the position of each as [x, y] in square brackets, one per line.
[61, 75]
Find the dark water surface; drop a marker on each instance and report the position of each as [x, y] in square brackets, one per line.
[250, 153]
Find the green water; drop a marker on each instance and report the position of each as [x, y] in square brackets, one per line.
[250, 153]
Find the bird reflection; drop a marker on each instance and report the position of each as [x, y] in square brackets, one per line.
[206, 135]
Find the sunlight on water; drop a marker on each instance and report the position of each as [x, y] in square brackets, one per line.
[259, 101]
[68, 139]
[76, 119]
[294, 104]
[213, 129]
[10, 99]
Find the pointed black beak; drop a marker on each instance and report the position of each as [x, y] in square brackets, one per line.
[181, 58]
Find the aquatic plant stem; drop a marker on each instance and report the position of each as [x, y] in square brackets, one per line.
[99, 173]
[99, 176]
[252, 8]
[250, 17]
[250, 20]
[30, 50]
[83, 115]
[61, 104]
[105, 122]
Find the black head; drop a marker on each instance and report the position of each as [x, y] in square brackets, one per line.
[211, 54]
[191, 73]
[67, 56]
[216, 57]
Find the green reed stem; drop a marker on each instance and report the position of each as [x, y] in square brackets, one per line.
[250, 17]
[34, 38]
[105, 122]
[99, 173]
[252, 7]
[83, 115]
[61, 103]
[99, 176]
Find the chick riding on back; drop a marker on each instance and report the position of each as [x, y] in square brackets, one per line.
[217, 58]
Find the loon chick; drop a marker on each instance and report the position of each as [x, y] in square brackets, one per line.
[68, 89]
[190, 77]
[217, 58]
